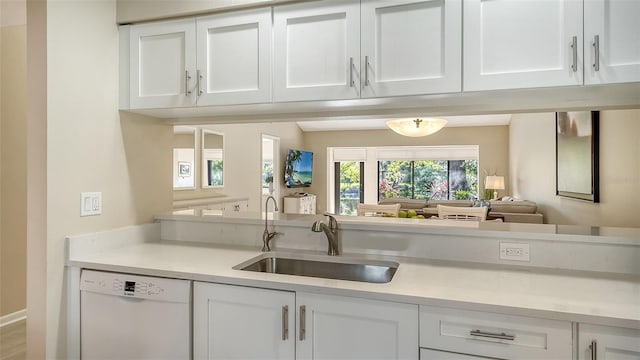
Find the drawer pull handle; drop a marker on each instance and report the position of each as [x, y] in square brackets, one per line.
[492, 335]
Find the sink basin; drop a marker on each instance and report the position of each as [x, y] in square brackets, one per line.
[370, 271]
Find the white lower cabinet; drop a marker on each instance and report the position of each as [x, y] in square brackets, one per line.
[336, 327]
[235, 322]
[473, 333]
[596, 342]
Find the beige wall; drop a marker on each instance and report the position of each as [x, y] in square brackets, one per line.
[243, 164]
[13, 192]
[492, 140]
[91, 147]
[532, 167]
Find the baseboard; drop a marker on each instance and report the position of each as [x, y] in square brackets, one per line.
[13, 317]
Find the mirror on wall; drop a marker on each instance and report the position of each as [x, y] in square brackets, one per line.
[184, 157]
[212, 159]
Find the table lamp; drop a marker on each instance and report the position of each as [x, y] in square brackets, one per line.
[495, 183]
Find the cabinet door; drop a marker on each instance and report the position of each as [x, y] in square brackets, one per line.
[609, 343]
[317, 50]
[163, 64]
[522, 44]
[333, 327]
[234, 58]
[235, 322]
[411, 47]
[611, 41]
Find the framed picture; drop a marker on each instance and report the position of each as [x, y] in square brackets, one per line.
[577, 155]
[184, 169]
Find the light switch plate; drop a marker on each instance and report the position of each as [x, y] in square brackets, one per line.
[90, 203]
[515, 251]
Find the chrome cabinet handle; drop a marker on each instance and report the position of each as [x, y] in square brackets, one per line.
[187, 77]
[366, 71]
[285, 323]
[594, 350]
[351, 82]
[492, 335]
[574, 47]
[596, 48]
[303, 322]
[199, 75]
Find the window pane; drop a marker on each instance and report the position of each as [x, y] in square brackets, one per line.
[431, 180]
[267, 177]
[428, 179]
[349, 187]
[214, 177]
[394, 179]
[463, 177]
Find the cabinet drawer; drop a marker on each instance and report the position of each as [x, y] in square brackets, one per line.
[494, 335]
[430, 354]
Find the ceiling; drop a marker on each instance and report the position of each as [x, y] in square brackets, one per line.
[377, 124]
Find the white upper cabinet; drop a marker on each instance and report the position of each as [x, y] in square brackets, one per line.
[317, 50]
[335, 327]
[163, 64]
[234, 58]
[221, 59]
[522, 44]
[411, 47]
[611, 41]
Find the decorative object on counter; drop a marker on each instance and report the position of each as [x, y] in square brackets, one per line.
[495, 183]
[416, 127]
[266, 235]
[577, 155]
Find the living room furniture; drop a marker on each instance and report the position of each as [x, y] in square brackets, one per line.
[520, 211]
[367, 209]
[462, 213]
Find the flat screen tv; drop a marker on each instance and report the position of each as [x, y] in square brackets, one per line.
[297, 168]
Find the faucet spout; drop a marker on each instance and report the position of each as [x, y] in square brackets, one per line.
[267, 236]
[331, 231]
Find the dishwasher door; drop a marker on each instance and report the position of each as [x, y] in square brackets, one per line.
[134, 317]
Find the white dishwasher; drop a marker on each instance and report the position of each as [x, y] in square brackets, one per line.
[126, 316]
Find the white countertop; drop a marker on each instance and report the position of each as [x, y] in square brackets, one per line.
[607, 299]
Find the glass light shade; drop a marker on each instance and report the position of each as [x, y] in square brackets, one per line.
[416, 127]
[494, 182]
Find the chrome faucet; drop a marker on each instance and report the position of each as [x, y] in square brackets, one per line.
[331, 230]
[266, 235]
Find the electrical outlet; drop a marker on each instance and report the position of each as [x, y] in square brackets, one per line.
[90, 203]
[514, 251]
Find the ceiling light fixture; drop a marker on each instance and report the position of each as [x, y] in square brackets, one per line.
[416, 127]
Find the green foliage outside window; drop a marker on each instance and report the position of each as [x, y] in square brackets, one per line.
[428, 179]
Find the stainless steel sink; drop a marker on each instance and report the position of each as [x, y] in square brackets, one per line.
[371, 271]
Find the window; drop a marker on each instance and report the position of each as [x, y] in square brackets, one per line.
[428, 179]
[369, 174]
[349, 186]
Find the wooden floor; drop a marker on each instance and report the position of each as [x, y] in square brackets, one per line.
[13, 341]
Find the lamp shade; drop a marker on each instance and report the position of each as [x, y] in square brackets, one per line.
[416, 127]
[494, 182]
